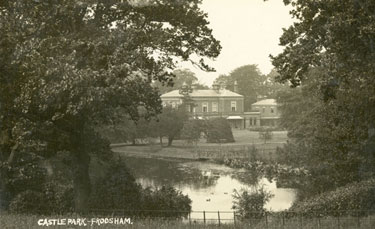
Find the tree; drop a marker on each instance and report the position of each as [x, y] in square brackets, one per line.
[337, 39]
[169, 123]
[271, 86]
[181, 76]
[250, 83]
[121, 128]
[65, 65]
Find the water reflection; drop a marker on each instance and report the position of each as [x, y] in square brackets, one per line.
[210, 186]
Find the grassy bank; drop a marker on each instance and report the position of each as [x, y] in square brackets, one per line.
[247, 145]
[31, 221]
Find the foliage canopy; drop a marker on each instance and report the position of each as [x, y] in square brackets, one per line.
[329, 53]
[65, 65]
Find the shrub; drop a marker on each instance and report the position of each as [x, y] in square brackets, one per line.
[218, 130]
[52, 199]
[25, 173]
[358, 196]
[28, 202]
[28, 190]
[165, 202]
[191, 132]
[250, 204]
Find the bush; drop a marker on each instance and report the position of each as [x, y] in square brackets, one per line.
[191, 132]
[250, 205]
[52, 199]
[24, 174]
[165, 202]
[28, 202]
[30, 190]
[218, 130]
[358, 196]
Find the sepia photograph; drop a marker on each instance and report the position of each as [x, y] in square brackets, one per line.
[187, 114]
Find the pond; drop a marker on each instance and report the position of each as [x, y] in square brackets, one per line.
[210, 186]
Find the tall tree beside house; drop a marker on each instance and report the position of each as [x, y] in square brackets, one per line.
[330, 52]
[271, 86]
[65, 65]
[181, 76]
[250, 83]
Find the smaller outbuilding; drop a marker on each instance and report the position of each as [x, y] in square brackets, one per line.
[263, 113]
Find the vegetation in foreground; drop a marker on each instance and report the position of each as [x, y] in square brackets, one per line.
[66, 69]
[31, 221]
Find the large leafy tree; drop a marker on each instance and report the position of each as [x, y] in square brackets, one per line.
[337, 38]
[271, 86]
[169, 123]
[250, 83]
[181, 76]
[65, 65]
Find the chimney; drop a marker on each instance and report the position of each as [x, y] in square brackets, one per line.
[235, 86]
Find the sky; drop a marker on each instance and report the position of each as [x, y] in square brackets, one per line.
[249, 31]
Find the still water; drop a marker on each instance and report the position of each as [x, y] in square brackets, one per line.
[210, 186]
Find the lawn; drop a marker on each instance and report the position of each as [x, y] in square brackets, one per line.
[244, 143]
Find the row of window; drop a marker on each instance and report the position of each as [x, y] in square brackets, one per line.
[272, 110]
[214, 107]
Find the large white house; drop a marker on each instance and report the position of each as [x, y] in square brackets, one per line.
[218, 102]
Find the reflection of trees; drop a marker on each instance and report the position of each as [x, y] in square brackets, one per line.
[248, 178]
[170, 172]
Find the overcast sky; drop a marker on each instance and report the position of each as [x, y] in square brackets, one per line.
[248, 30]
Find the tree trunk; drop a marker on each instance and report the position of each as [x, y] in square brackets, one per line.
[170, 140]
[81, 181]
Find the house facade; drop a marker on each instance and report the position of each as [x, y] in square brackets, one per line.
[218, 102]
[210, 103]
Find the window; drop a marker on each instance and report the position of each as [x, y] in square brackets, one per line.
[271, 109]
[233, 105]
[173, 104]
[214, 107]
[205, 107]
[255, 121]
[264, 109]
